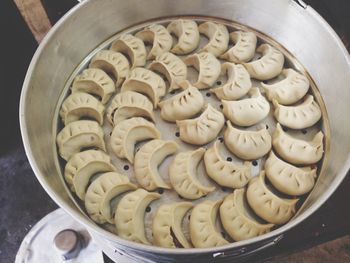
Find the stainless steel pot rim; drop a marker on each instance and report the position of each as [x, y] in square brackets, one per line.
[114, 238]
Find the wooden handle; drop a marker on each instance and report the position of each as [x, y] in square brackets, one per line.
[35, 16]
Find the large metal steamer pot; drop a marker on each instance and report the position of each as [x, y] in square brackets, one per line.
[292, 23]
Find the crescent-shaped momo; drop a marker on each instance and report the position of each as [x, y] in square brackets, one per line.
[159, 37]
[94, 81]
[236, 220]
[202, 225]
[289, 90]
[223, 172]
[82, 166]
[187, 33]
[128, 104]
[247, 145]
[111, 62]
[182, 174]
[208, 67]
[266, 204]
[79, 105]
[85, 162]
[132, 47]
[167, 223]
[147, 160]
[268, 66]
[243, 49]
[78, 135]
[202, 129]
[247, 112]
[218, 37]
[128, 132]
[184, 105]
[288, 178]
[297, 151]
[146, 82]
[100, 193]
[129, 216]
[300, 116]
[172, 67]
[238, 82]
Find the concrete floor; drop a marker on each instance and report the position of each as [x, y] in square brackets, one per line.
[337, 251]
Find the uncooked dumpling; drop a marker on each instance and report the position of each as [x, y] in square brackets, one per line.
[289, 90]
[247, 112]
[172, 67]
[158, 37]
[128, 104]
[86, 162]
[82, 166]
[202, 129]
[226, 173]
[297, 151]
[247, 145]
[266, 204]
[287, 178]
[299, 116]
[167, 224]
[243, 49]
[238, 82]
[187, 33]
[130, 213]
[184, 105]
[208, 68]
[113, 63]
[147, 160]
[133, 47]
[128, 132]
[78, 135]
[218, 37]
[94, 81]
[236, 220]
[268, 66]
[182, 174]
[100, 193]
[79, 105]
[202, 225]
[146, 82]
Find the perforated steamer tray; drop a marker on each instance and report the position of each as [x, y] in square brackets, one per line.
[169, 131]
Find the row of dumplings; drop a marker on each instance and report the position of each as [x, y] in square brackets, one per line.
[167, 226]
[188, 103]
[131, 48]
[129, 212]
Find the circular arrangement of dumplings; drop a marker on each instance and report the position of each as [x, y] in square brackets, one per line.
[119, 105]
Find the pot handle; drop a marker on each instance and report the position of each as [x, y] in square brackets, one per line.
[299, 2]
[244, 252]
